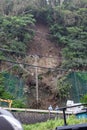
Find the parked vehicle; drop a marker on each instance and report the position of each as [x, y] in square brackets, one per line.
[8, 121]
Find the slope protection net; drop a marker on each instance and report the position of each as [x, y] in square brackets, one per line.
[78, 81]
[79, 85]
[14, 85]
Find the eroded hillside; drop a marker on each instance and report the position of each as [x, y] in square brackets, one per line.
[45, 54]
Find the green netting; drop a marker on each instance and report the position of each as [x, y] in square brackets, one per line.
[14, 85]
[79, 85]
[78, 80]
[4, 104]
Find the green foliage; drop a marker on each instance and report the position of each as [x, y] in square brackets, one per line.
[71, 5]
[58, 33]
[75, 54]
[63, 88]
[82, 12]
[68, 28]
[18, 104]
[83, 76]
[74, 32]
[84, 99]
[52, 124]
[15, 32]
[43, 15]
[7, 95]
[74, 5]
[1, 85]
[1, 90]
[71, 34]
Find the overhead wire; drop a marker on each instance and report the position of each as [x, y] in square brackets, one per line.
[21, 53]
[7, 69]
[26, 54]
[33, 66]
[5, 60]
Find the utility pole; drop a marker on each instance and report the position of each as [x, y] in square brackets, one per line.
[61, 2]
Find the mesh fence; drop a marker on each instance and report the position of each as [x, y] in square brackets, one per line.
[79, 85]
[14, 85]
[78, 80]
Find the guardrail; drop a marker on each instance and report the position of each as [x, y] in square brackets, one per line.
[64, 109]
[38, 110]
[61, 110]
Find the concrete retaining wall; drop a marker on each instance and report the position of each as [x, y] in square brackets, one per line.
[31, 118]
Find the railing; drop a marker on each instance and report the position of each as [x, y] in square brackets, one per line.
[64, 109]
[7, 101]
[61, 110]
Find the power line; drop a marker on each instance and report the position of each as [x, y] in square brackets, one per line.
[21, 53]
[7, 69]
[5, 60]
[33, 66]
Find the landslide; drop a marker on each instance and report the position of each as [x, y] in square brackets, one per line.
[49, 56]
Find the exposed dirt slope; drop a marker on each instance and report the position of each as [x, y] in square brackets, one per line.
[50, 57]
[42, 45]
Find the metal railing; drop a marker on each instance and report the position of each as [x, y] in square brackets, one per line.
[64, 109]
[61, 110]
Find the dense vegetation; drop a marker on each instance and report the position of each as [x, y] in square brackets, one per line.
[15, 32]
[67, 21]
[70, 31]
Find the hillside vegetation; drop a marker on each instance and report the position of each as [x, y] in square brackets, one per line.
[67, 24]
[65, 30]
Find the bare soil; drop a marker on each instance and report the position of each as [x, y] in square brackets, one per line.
[41, 44]
[45, 48]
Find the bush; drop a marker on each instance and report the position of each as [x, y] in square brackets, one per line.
[84, 99]
[18, 104]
